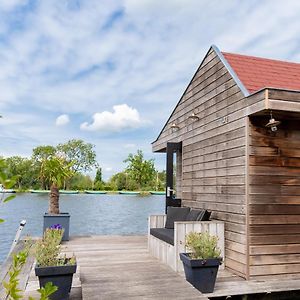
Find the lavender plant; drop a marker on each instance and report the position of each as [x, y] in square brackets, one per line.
[48, 249]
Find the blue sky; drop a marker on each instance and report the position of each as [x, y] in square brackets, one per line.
[110, 72]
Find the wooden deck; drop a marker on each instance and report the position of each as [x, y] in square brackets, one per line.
[120, 267]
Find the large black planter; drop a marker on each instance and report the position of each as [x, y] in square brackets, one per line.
[201, 273]
[63, 219]
[60, 276]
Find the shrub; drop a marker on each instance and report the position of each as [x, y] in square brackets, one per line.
[202, 245]
[48, 250]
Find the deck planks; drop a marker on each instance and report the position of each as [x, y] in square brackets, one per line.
[119, 267]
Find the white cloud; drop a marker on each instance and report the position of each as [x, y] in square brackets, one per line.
[8, 5]
[108, 169]
[62, 120]
[129, 146]
[123, 117]
[145, 57]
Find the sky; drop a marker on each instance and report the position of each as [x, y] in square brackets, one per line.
[110, 72]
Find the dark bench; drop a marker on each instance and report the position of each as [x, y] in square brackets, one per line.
[166, 233]
[176, 214]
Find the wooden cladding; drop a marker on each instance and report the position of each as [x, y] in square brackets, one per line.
[247, 175]
[214, 152]
[274, 198]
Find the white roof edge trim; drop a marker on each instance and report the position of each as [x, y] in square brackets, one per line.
[231, 71]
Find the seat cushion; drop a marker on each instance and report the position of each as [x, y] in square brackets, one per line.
[193, 215]
[164, 234]
[175, 214]
[204, 215]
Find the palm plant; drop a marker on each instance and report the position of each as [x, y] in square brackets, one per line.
[55, 170]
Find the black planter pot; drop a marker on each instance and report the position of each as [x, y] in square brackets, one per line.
[63, 219]
[60, 276]
[201, 273]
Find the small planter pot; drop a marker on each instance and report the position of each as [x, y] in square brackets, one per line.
[201, 273]
[60, 276]
[63, 219]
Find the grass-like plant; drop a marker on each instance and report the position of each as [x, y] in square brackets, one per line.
[48, 249]
[202, 245]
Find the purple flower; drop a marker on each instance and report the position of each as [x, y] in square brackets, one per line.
[56, 226]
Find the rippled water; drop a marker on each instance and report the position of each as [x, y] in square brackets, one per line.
[90, 214]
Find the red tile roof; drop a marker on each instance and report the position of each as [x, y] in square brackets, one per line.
[257, 73]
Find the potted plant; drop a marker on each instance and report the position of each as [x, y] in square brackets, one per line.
[202, 262]
[52, 266]
[55, 170]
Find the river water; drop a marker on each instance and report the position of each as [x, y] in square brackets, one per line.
[90, 214]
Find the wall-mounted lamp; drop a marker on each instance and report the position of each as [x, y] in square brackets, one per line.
[272, 123]
[174, 127]
[194, 117]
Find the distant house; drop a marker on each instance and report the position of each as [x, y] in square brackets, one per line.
[234, 161]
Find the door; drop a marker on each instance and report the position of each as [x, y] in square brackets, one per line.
[172, 148]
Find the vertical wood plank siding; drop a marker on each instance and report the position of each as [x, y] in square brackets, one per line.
[213, 153]
[274, 199]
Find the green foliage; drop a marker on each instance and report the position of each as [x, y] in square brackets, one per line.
[25, 169]
[5, 183]
[118, 181]
[98, 177]
[81, 154]
[160, 183]
[107, 187]
[139, 169]
[41, 153]
[11, 287]
[81, 182]
[46, 291]
[55, 170]
[98, 186]
[202, 245]
[49, 161]
[48, 250]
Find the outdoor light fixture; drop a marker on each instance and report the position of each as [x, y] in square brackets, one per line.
[272, 123]
[194, 117]
[174, 127]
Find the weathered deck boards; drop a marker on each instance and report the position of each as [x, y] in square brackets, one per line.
[119, 267]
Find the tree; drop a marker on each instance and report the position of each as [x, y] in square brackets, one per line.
[25, 169]
[98, 177]
[81, 154]
[118, 181]
[161, 180]
[55, 170]
[5, 183]
[81, 182]
[142, 171]
[41, 154]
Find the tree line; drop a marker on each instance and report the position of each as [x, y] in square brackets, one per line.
[75, 158]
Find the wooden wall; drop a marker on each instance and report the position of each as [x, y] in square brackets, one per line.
[215, 160]
[274, 197]
[214, 152]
